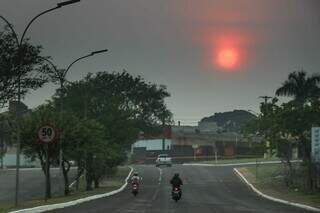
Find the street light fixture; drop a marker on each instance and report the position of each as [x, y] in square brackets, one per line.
[19, 43]
[100, 51]
[83, 57]
[61, 4]
[61, 75]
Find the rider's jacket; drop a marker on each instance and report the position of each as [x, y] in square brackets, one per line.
[135, 179]
[176, 181]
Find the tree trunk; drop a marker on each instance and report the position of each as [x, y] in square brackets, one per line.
[65, 171]
[48, 185]
[89, 172]
[89, 180]
[96, 183]
[307, 160]
[80, 171]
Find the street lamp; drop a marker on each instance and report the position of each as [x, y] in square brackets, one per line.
[61, 75]
[83, 57]
[19, 43]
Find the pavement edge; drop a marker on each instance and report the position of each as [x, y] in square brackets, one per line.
[74, 202]
[236, 164]
[273, 198]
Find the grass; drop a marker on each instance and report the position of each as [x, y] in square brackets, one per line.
[270, 179]
[239, 160]
[108, 184]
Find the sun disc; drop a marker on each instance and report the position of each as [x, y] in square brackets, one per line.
[227, 58]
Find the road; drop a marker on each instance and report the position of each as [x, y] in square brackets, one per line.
[32, 182]
[206, 189]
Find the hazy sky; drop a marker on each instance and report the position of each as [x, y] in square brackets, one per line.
[214, 56]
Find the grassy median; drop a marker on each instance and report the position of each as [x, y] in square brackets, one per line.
[239, 160]
[270, 180]
[108, 184]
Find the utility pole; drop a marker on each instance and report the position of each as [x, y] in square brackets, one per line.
[266, 98]
[163, 134]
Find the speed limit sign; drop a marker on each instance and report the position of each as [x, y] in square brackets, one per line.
[46, 134]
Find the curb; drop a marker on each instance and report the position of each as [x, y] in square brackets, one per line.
[74, 202]
[235, 164]
[273, 198]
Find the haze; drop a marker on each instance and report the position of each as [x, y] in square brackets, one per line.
[175, 43]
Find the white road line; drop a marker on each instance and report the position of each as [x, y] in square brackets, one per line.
[160, 175]
[74, 202]
[273, 198]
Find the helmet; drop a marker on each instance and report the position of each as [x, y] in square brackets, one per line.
[176, 174]
[135, 174]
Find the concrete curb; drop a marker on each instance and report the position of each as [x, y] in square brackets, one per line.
[235, 164]
[273, 198]
[74, 202]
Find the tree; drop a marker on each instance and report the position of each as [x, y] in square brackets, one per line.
[124, 105]
[44, 115]
[302, 88]
[22, 66]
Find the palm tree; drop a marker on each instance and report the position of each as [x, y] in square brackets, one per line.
[300, 87]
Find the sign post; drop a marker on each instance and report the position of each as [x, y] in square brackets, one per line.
[46, 135]
[195, 147]
[315, 144]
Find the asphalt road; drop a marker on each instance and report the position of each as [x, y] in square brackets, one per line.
[206, 189]
[32, 182]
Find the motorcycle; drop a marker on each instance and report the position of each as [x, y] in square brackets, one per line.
[176, 193]
[135, 189]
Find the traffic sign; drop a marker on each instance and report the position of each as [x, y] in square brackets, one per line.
[46, 134]
[315, 143]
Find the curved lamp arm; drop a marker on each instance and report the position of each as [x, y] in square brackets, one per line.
[83, 57]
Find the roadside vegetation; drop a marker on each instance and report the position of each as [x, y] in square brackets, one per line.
[97, 118]
[257, 159]
[270, 179]
[286, 127]
[108, 183]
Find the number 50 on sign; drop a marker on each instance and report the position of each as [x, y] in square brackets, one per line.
[46, 134]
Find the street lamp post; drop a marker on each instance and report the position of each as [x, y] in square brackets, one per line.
[19, 43]
[62, 81]
[61, 75]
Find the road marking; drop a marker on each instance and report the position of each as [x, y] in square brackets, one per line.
[160, 175]
[155, 194]
[273, 198]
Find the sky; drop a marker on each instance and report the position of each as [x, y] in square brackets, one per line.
[213, 55]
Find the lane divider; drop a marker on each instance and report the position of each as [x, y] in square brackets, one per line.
[160, 175]
[273, 198]
[74, 202]
[159, 182]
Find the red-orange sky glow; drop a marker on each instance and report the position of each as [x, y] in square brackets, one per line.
[226, 58]
[226, 53]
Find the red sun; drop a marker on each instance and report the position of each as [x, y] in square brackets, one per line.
[227, 58]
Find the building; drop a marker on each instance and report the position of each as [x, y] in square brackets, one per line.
[7, 150]
[207, 126]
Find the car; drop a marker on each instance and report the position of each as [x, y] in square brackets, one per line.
[163, 159]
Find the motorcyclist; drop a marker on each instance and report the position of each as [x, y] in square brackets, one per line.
[136, 178]
[176, 182]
